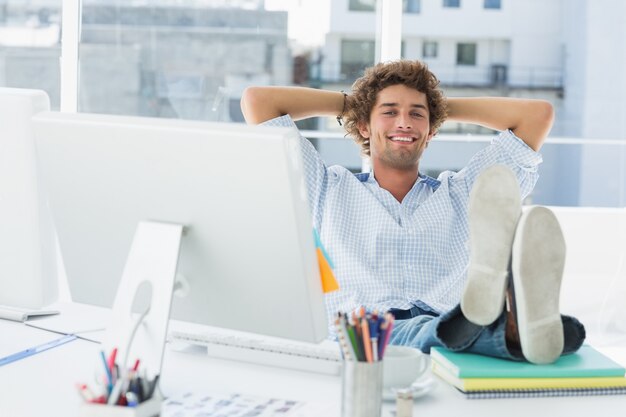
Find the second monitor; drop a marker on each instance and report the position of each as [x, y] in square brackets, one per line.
[248, 253]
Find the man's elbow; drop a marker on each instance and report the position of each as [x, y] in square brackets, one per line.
[543, 114]
[536, 118]
[250, 103]
[540, 120]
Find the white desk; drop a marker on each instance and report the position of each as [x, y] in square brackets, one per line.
[44, 384]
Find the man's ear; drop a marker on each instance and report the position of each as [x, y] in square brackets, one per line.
[430, 137]
[364, 129]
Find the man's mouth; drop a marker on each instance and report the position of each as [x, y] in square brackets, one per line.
[401, 138]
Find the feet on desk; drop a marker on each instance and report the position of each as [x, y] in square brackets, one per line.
[537, 267]
[521, 253]
[494, 209]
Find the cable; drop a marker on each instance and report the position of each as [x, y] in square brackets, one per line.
[132, 336]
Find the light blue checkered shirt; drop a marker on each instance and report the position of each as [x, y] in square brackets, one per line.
[389, 254]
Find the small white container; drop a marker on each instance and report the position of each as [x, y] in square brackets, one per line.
[149, 408]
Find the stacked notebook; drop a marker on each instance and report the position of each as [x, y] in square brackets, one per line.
[586, 372]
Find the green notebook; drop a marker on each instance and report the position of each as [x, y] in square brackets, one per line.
[587, 362]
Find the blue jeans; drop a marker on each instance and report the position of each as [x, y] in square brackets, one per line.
[454, 332]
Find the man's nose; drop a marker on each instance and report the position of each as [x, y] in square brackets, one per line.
[404, 121]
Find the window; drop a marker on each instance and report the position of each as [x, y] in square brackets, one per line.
[408, 6]
[466, 54]
[452, 3]
[356, 55]
[30, 46]
[493, 4]
[164, 60]
[411, 6]
[429, 49]
[362, 5]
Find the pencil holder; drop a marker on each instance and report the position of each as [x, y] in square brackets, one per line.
[362, 387]
[149, 408]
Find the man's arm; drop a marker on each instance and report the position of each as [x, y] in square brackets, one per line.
[260, 104]
[529, 120]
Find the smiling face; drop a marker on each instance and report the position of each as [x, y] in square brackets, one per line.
[398, 129]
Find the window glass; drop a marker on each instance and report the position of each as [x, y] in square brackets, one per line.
[187, 61]
[429, 49]
[493, 4]
[452, 3]
[411, 6]
[408, 6]
[466, 54]
[362, 5]
[30, 46]
[356, 55]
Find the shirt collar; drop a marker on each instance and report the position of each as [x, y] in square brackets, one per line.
[429, 181]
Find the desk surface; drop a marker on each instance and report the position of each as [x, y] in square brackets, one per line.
[44, 384]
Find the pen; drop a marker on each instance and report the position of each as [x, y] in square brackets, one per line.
[108, 372]
[152, 387]
[111, 362]
[344, 338]
[366, 339]
[351, 334]
[382, 336]
[85, 392]
[389, 319]
[373, 325]
[115, 393]
[359, 337]
[37, 349]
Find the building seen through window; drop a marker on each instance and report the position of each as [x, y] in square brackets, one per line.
[192, 59]
[30, 46]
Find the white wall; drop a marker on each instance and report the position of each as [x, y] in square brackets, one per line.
[536, 39]
[595, 100]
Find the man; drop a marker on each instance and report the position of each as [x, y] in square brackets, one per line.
[419, 246]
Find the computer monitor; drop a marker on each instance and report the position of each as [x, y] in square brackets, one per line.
[248, 252]
[28, 276]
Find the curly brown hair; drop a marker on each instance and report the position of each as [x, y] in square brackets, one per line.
[413, 74]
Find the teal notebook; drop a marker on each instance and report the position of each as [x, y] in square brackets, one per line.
[587, 362]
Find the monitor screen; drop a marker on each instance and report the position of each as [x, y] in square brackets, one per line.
[28, 276]
[248, 252]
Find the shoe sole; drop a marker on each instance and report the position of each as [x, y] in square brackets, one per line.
[537, 263]
[494, 209]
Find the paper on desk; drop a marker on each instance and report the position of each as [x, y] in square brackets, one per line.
[86, 321]
[239, 405]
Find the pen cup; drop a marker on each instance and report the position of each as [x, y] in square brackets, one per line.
[148, 408]
[362, 387]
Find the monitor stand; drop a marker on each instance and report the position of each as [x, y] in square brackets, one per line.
[146, 286]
